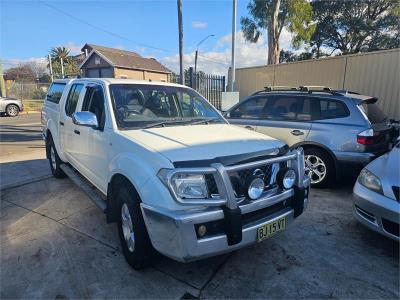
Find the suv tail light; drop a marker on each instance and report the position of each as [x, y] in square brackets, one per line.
[368, 137]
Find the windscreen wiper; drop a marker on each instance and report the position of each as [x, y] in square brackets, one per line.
[206, 121]
[164, 123]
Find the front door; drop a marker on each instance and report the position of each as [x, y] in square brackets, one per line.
[287, 118]
[95, 141]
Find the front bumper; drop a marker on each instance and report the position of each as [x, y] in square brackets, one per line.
[174, 233]
[376, 211]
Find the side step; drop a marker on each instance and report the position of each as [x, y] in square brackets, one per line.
[83, 184]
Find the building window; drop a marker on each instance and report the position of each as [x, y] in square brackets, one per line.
[97, 60]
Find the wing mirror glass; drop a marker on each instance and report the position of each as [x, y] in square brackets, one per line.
[85, 118]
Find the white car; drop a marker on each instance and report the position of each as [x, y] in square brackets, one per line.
[174, 175]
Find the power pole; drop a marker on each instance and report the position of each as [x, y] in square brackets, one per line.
[180, 28]
[233, 46]
[51, 69]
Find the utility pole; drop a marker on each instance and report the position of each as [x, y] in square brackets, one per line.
[51, 69]
[233, 46]
[180, 28]
[62, 67]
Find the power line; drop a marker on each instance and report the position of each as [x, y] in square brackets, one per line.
[118, 35]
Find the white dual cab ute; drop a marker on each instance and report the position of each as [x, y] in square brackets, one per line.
[169, 169]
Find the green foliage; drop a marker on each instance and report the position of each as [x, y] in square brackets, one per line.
[295, 15]
[355, 26]
[71, 66]
[289, 56]
[38, 94]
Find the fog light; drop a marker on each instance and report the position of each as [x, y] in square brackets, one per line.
[201, 230]
[256, 188]
[286, 178]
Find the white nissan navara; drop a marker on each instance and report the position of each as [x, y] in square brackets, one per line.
[165, 165]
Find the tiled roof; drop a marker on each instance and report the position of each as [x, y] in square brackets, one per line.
[128, 59]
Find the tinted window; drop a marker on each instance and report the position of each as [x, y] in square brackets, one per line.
[288, 108]
[331, 109]
[94, 102]
[373, 112]
[251, 109]
[72, 100]
[55, 92]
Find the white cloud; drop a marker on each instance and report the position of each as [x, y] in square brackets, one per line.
[199, 25]
[15, 62]
[73, 48]
[218, 60]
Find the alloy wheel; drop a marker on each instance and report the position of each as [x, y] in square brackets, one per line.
[316, 168]
[12, 110]
[127, 228]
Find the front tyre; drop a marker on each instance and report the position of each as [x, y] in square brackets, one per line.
[135, 241]
[319, 166]
[54, 160]
[12, 110]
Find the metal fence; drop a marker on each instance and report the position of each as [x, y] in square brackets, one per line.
[27, 91]
[210, 86]
[374, 74]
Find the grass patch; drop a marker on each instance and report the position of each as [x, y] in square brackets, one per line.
[33, 105]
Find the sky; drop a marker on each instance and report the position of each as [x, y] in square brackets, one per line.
[30, 28]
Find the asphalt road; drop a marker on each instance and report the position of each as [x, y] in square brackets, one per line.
[56, 244]
[20, 137]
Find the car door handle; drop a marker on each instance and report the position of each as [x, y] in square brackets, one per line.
[249, 128]
[61, 123]
[297, 132]
[77, 131]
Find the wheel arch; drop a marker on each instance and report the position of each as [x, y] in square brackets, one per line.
[116, 180]
[309, 144]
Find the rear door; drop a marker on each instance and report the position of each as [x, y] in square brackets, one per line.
[69, 133]
[287, 118]
[248, 113]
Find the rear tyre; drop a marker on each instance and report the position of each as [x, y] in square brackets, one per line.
[12, 110]
[54, 160]
[319, 166]
[135, 241]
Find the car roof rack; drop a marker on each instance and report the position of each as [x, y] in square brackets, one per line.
[306, 89]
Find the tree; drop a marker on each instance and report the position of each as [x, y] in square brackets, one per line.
[21, 73]
[273, 16]
[289, 56]
[69, 62]
[355, 26]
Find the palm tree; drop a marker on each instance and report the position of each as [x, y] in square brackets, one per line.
[57, 53]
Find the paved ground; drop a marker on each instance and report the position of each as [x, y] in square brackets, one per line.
[56, 244]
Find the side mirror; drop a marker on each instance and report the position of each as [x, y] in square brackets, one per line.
[85, 118]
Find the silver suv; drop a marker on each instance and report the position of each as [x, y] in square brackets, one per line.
[333, 127]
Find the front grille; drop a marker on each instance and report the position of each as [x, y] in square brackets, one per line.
[396, 192]
[211, 184]
[239, 179]
[391, 227]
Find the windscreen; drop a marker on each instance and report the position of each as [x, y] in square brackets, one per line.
[141, 106]
[373, 113]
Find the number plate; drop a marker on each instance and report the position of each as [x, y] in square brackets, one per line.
[269, 229]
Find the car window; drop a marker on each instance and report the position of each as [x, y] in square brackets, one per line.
[72, 100]
[331, 109]
[288, 108]
[55, 91]
[250, 109]
[94, 102]
[373, 112]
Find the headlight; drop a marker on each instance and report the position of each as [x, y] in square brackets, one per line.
[190, 186]
[185, 185]
[286, 178]
[370, 181]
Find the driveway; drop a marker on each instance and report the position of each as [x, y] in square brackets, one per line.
[56, 244]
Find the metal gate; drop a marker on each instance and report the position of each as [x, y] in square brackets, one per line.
[208, 85]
